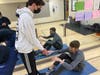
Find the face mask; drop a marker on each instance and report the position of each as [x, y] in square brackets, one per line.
[37, 11]
[17, 15]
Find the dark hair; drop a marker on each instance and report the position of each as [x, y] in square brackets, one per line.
[75, 44]
[53, 29]
[37, 2]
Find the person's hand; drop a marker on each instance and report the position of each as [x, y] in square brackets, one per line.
[56, 59]
[40, 36]
[45, 52]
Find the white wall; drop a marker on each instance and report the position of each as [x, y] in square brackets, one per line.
[91, 22]
[11, 1]
[54, 16]
[58, 15]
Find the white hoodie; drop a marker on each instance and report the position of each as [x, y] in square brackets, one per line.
[26, 32]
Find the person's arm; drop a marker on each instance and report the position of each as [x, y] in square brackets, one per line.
[63, 50]
[47, 37]
[72, 65]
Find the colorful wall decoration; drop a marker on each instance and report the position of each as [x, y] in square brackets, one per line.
[87, 10]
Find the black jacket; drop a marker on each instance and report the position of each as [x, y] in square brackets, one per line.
[4, 20]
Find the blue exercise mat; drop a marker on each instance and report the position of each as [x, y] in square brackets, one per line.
[39, 55]
[61, 71]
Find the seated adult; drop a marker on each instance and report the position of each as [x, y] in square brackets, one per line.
[53, 40]
[73, 59]
[4, 21]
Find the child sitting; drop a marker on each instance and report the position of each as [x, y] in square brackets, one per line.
[73, 59]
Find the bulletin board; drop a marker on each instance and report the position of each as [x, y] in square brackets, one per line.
[79, 5]
[86, 9]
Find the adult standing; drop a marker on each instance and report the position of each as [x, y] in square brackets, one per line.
[26, 39]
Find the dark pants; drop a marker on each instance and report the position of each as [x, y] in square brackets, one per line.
[29, 62]
[63, 56]
[56, 45]
[68, 59]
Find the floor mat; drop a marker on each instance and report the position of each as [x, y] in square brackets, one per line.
[61, 71]
[79, 28]
[41, 56]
